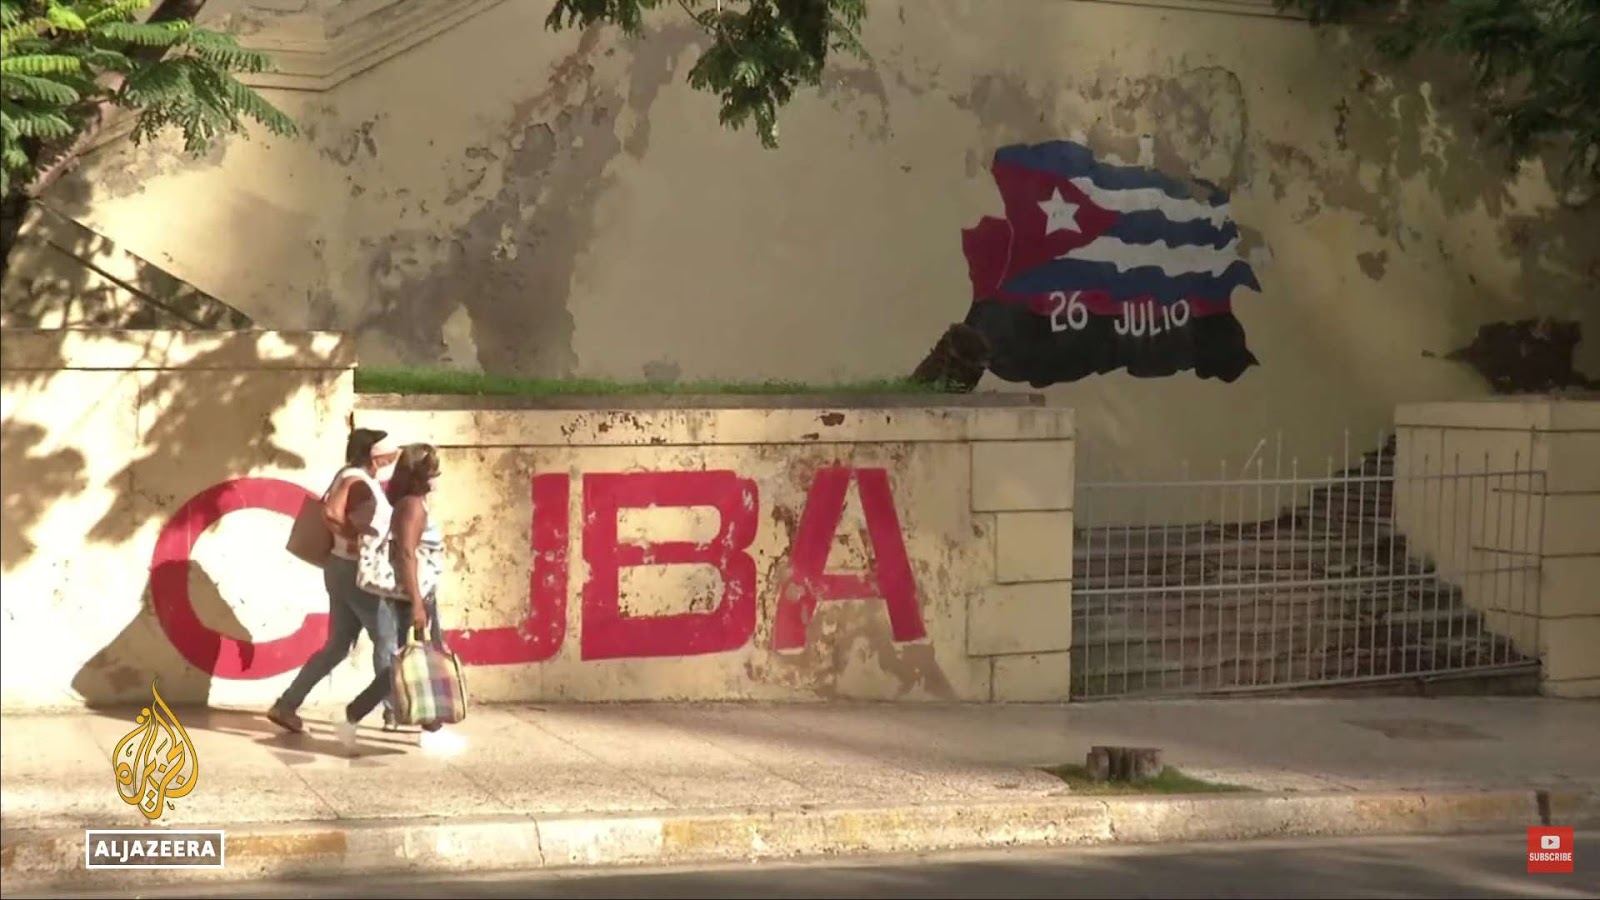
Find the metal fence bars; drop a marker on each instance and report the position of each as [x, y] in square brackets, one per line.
[1283, 580]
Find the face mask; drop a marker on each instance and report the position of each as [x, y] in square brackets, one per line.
[385, 473]
[433, 484]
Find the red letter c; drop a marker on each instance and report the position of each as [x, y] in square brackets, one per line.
[210, 651]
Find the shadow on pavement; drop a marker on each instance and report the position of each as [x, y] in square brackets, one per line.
[316, 739]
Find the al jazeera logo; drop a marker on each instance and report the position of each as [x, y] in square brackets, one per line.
[154, 764]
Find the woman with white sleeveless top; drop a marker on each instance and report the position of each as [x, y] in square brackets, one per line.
[349, 506]
[418, 559]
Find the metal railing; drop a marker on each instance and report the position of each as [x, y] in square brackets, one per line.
[1268, 581]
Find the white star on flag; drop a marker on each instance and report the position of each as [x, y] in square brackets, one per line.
[1059, 214]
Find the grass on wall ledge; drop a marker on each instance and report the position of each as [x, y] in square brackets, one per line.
[443, 382]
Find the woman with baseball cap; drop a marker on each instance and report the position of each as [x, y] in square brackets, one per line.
[349, 505]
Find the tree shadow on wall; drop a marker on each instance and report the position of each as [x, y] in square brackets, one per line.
[35, 477]
[200, 412]
[215, 425]
[1425, 118]
[205, 420]
[61, 275]
[121, 672]
[211, 423]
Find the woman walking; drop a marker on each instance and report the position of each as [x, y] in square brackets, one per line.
[418, 558]
[349, 505]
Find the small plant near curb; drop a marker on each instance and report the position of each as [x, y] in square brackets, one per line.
[371, 380]
[1168, 781]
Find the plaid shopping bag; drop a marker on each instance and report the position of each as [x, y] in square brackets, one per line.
[428, 685]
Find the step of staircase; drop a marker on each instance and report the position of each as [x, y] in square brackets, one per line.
[1325, 592]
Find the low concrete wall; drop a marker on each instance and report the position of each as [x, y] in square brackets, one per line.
[784, 553]
[1518, 485]
[762, 551]
[121, 450]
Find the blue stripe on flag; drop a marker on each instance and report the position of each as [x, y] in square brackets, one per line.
[1149, 226]
[1068, 159]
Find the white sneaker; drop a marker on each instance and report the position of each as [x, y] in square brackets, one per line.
[442, 743]
[345, 731]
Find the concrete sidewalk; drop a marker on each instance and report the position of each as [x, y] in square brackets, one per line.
[553, 785]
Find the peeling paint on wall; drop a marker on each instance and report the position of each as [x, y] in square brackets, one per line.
[510, 267]
[821, 625]
[860, 91]
[1532, 356]
[1373, 264]
[502, 197]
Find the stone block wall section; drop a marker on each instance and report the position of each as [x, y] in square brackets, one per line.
[1022, 494]
[149, 479]
[981, 496]
[1552, 519]
[754, 548]
[683, 548]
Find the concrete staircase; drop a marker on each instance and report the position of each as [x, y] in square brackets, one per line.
[63, 275]
[1326, 593]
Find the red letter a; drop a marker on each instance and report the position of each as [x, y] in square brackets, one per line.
[889, 577]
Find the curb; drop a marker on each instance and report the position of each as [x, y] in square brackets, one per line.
[45, 859]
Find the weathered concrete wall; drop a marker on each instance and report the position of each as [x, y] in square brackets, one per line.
[501, 197]
[772, 553]
[113, 443]
[1524, 547]
[674, 554]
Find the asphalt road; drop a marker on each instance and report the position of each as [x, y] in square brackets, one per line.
[1467, 866]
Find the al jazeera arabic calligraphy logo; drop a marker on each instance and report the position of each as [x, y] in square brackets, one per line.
[155, 763]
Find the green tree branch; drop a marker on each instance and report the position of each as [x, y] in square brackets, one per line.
[1536, 64]
[85, 58]
[67, 65]
[761, 51]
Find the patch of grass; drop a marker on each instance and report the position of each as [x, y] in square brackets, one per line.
[1170, 781]
[371, 380]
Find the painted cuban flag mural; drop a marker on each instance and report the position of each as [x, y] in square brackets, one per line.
[1097, 267]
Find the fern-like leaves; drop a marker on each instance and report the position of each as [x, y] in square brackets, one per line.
[224, 53]
[25, 121]
[142, 34]
[201, 100]
[44, 90]
[55, 59]
[40, 64]
[102, 12]
[1536, 63]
